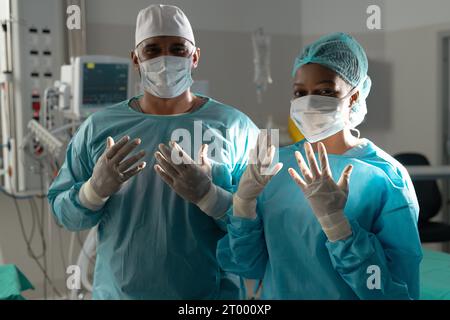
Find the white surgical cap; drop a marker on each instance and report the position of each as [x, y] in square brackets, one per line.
[162, 20]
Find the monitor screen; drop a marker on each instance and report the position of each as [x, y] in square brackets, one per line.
[104, 84]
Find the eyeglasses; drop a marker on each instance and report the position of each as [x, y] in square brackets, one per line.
[147, 50]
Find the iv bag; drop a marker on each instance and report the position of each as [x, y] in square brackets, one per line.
[261, 52]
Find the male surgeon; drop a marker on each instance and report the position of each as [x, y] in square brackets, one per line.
[153, 242]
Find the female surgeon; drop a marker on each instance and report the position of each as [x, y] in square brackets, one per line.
[346, 226]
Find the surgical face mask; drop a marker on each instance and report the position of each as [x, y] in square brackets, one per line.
[166, 76]
[319, 117]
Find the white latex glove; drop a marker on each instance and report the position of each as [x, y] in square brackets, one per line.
[110, 172]
[258, 173]
[327, 199]
[192, 181]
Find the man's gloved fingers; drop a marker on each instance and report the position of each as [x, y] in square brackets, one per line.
[345, 178]
[166, 178]
[109, 142]
[114, 147]
[165, 151]
[167, 166]
[132, 172]
[125, 151]
[298, 180]
[312, 160]
[203, 155]
[303, 167]
[185, 158]
[164, 156]
[126, 164]
[325, 166]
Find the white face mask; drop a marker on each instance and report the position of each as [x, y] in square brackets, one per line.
[319, 117]
[166, 76]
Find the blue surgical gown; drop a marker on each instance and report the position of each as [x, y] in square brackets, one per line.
[152, 244]
[286, 247]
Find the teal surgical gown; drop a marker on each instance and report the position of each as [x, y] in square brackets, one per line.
[286, 247]
[152, 244]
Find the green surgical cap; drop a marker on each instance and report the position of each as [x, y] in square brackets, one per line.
[341, 53]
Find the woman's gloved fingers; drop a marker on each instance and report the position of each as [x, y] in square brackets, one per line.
[253, 156]
[308, 177]
[167, 166]
[324, 164]
[312, 160]
[266, 160]
[276, 168]
[126, 164]
[269, 138]
[260, 150]
[132, 172]
[345, 178]
[263, 148]
[298, 180]
[124, 151]
[114, 147]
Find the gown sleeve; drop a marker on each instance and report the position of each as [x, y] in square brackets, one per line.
[383, 263]
[63, 192]
[243, 249]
